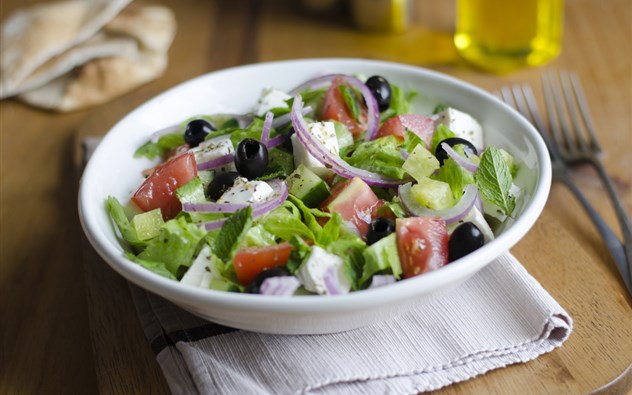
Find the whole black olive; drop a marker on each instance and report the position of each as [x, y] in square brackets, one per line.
[381, 90]
[196, 131]
[221, 183]
[255, 285]
[251, 158]
[440, 153]
[379, 228]
[466, 238]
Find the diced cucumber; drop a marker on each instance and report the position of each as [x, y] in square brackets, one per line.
[147, 225]
[433, 194]
[420, 163]
[307, 186]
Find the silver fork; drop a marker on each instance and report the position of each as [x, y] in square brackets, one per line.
[521, 98]
[578, 144]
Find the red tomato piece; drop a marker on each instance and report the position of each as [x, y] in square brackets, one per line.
[354, 201]
[335, 108]
[422, 244]
[251, 261]
[421, 125]
[158, 190]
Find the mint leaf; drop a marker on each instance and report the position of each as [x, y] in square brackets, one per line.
[494, 180]
[440, 108]
[350, 100]
[300, 251]
[233, 230]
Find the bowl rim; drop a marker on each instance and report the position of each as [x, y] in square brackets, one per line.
[308, 303]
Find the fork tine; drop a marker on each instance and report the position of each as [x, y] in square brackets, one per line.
[583, 109]
[572, 111]
[529, 107]
[555, 108]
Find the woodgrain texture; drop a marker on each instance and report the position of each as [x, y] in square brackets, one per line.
[70, 329]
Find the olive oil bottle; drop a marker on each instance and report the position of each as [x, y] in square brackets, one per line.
[504, 35]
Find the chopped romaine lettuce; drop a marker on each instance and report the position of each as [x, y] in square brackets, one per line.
[381, 258]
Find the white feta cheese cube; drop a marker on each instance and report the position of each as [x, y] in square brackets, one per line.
[213, 149]
[494, 211]
[323, 273]
[200, 274]
[246, 192]
[271, 98]
[477, 218]
[325, 132]
[463, 125]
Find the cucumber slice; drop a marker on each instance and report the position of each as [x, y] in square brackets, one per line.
[433, 194]
[147, 225]
[307, 186]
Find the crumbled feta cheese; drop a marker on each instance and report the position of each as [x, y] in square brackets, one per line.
[325, 132]
[317, 267]
[200, 274]
[477, 218]
[463, 125]
[215, 148]
[271, 98]
[246, 192]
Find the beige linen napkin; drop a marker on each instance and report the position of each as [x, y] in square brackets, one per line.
[71, 55]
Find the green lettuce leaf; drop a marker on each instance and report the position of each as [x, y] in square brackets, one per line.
[381, 258]
[119, 217]
[381, 156]
[160, 148]
[442, 133]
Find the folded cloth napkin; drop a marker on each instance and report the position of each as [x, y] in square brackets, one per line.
[499, 317]
[78, 53]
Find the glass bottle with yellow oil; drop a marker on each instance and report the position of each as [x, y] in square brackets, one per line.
[504, 35]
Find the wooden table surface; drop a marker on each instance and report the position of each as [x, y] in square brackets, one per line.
[69, 330]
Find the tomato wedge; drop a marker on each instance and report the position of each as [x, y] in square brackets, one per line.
[422, 244]
[421, 125]
[335, 108]
[158, 190]
[251, 261]
[354, 201]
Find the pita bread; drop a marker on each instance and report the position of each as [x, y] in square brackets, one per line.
[32, 37]
[152, 29]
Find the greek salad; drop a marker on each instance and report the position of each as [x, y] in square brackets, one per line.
[333, 187]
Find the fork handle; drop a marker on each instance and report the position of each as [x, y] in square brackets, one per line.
[612, 242]
[622, 216]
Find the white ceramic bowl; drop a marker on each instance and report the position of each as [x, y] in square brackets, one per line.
[113, 170]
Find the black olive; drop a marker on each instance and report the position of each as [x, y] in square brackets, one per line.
[381, 89]
[466, 238]
[255, 285]
[287, 143]
[221, 183]
[196, 131]
[251, 158]
[440, 153]
[378, 229]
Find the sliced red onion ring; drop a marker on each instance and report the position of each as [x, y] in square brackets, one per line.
[478, 203]
[463, 162]
[215, 163]
[258, 209]
[155, 136]
[404, 153]
[332, 161]
[373, 113]
[330, 279]
[450, 215]
[279, 286]
[267, 125]
[286, 118]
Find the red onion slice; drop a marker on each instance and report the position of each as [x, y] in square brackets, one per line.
[330, 279]
[267, 125]
[450, 215]
[463, 162]
[373, 113]
[279, 286]
[216, 163]
[332, 161]
[285, 118]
